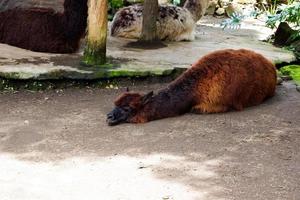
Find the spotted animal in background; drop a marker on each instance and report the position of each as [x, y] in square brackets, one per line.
[173, 23]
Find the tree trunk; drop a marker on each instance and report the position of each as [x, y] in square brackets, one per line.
[150, 13]
[95, 50]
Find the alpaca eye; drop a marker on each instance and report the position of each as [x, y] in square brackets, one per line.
[127, 109]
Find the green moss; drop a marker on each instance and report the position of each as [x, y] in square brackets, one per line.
[138, 73]
[293, 71]
[94, 54]
[120, 73]
[18, 84]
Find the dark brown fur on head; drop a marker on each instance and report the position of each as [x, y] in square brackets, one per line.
[126, 106]
[129, 99]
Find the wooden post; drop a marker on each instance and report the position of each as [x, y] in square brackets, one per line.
[149, 28]
[95, 50]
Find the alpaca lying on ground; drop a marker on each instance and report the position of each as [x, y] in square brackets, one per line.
[174, 23]
[218, 82]
[44, 29]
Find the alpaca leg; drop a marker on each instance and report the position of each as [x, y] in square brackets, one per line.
[201, 108]
[186, 36]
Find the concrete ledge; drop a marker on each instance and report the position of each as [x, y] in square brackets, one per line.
[16, 63]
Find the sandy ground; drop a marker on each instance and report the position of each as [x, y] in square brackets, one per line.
[56, 145]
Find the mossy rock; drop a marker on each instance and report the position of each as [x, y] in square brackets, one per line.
[293, 71]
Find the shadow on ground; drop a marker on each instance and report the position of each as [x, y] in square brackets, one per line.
[56, 145]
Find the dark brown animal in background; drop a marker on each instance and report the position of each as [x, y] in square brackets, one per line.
[220, 81]
[44, 29]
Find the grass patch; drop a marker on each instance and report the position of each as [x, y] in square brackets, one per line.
[293, 71]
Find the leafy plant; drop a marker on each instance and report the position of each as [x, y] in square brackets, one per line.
[286, 13]
[234, 22]
[235, 19]
[272, 9]
[293, 71]
[115, 4]
[295, 36]
[289, 14]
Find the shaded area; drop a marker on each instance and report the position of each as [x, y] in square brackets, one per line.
[146, 45]
[253, 154]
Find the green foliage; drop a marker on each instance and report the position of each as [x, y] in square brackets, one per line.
[235, 19]
[272, 9]
[234, 22]
[116, 4]
[289, 14]
[286, 13]
[290, 2]
[295, 36]
[293, 71]
[113, 6]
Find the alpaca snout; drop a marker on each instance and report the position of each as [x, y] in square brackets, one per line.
[116, 116]
[111, 119]
[110, 116]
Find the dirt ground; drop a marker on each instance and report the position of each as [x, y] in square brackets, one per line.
[56, 145]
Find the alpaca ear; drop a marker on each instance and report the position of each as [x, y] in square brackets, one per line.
[147, 97]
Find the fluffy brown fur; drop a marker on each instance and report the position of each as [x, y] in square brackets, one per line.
[43, 29]
[218, 82]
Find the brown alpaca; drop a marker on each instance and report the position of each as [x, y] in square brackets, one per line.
[220, 81]
[43, 29]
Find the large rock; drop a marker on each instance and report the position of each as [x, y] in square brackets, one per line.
[220, 11]
[223, 3]
[212, 6]
[233, 8]
[283, 34]
[243, 9]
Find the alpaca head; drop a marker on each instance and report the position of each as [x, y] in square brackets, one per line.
[126, 22]
[127, 106]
